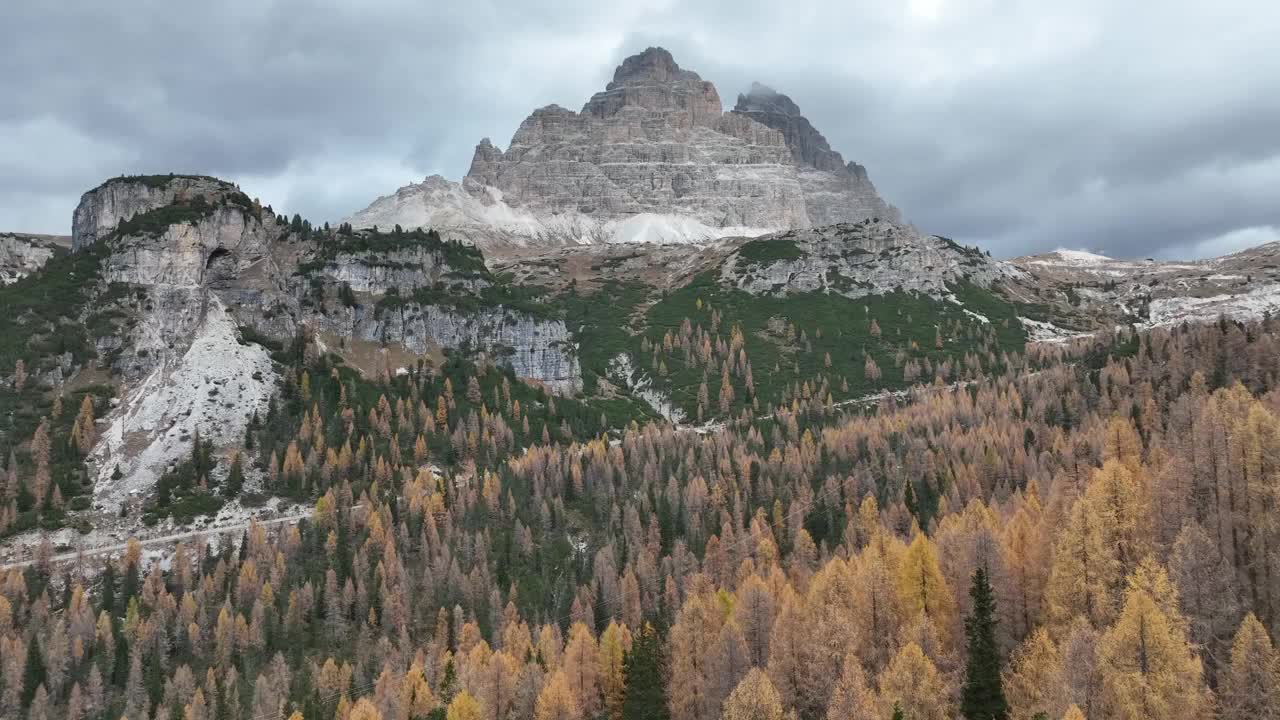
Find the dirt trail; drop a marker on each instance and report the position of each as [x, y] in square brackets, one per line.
[161, 539]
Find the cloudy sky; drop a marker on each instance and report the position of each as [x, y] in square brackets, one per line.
[1136, 128]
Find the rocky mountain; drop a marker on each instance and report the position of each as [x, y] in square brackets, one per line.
[651, 158]
[22, 254]
[185, 290]
[1086, 291]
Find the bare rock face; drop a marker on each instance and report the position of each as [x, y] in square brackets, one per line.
[773, 109]
[855, 260]
[834, 191]
[208, 266]
[651, 158]
[653, 81]
[21, 255]
[119, 199]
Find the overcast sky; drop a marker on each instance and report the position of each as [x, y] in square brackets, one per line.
[1131, 127]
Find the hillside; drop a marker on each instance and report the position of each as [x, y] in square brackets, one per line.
[1088, 292]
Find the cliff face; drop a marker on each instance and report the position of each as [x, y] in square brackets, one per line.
[21, 255]
[651, 158]
[210, 263]
[856, 260]
[106, 206]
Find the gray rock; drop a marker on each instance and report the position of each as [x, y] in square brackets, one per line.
[264, 277]
[21, 255]
[855, 260]
[652, 158]
[119, 199]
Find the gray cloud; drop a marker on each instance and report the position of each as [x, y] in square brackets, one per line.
[1132, 128]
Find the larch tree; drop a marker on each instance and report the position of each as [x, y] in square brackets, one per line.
[556, 700]
[877, 611]
[727, 661]
[851, 699]
[1206, 594]
[1147, 667]
[613, 647]
[582, 669]
[795, 652]
[911, 685]
[1250, 687]
[1100, 544]
[1034, 683]
[695, 631]
[464, 706]
[754, 698]
[753, 609]
[922, 586]
[1026, 553]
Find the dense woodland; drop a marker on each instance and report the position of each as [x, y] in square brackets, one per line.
[1084, 531]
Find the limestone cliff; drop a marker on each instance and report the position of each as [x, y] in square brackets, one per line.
[22, 254]
[211, 272]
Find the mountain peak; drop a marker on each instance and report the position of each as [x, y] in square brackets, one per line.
[762, 98]
[773, 109]
[653, 81]
[654, 64]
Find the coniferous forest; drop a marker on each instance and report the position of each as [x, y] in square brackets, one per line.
[1093, 531]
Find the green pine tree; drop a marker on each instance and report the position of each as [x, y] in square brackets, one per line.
[235, 479]
[34, 674]
[645, 696]
[983, 697]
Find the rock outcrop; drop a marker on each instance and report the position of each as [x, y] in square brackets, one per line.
[211, 241]
[652, 158]
[21, 255]
[119, 199]
[209, 265]
[1086, 292]
[855, 260]
[773, 109]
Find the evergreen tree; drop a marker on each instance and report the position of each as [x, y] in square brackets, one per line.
[235, 478]
[983, 696]
[109, 588]
[34, 674]
[645, 695]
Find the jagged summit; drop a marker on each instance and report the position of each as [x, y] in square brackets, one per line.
[652, 81]
[808, 147]
[651, 158]
[762, 98]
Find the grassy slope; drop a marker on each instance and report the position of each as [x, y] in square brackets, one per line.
[844, 325]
